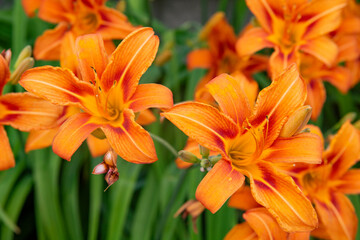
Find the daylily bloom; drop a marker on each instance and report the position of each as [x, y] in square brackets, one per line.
[327, 184]
[75, 18]
[23, 111]
[250, 140]
[108, 94]
[290, 27]
[220, 56]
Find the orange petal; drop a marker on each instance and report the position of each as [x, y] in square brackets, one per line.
[230, 96]
[349, 182]
[218, 185]
[4, 73]
[340, 77]
[282, 197]
[25, 111]
[323, 17]
[338, 216]
[199, 58]
[6, 155]
[299, 236]
[316, 97]
[204, 123]
[68, 58]
[131, 141]
[262, 12]
[243, 199]
[30, 6]
[241, 231]
[264, 224]
[56, 11]
[47, 46]
[129, 61]
[286, 93]
[60, 86]
[91, 55]
[303, 147]
[97, 147]
[344, 150]
[151, 96]
[249, 86]
[279, 61]
[322, 48]
[39, 139]
[114, 24]
[145, 117]
[316, 130]
[72, 133]
[251, 41]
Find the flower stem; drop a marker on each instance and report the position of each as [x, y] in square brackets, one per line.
[165, 144]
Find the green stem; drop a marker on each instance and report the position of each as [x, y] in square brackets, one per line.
[165, 144]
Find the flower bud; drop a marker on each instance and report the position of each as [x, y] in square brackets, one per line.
[7, 55]
[296, 122]
[24, 65]
[111, 177]
[101, 168]
[25, 53]
[215, 159]
[188, 157]
[205, 152]
[110, 158]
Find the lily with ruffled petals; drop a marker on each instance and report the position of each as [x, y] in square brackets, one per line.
[327, 184]
[108, 95]
[23, 111]
[249, 142]
[290, 27]
[75, 18]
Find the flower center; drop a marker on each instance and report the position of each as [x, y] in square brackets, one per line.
[87, 21]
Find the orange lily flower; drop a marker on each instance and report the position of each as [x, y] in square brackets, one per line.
[220, 56]
[327, 184]
[75, 18]
[249, 141]
[261, 225]
[23, 111]
[108, 95]
[290, 27]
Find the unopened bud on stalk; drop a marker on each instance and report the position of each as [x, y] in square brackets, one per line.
[101, 168]
[205, 152]
[188, 156]
[215, 159]
[7, 55]
[24, 65]
[110, 158]
[205, 164]
[296, 121]
[25, 53]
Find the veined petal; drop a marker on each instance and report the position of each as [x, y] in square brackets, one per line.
[280, 61]
[241, 231]
[349, 183]
[303, 147]
[243, 199]
[322, 16]
[55, 11]
[6, 155]
[344, 150]
[340, 77]
[114, 24]
[231, 98]
[264, 224]
[25, 111]
[39, 139]
[30, 6]
[322, 48]
[199, 58]
[299, 236]
[316, 97]
[4, 73]
[129, 62]
[91, 56]
[282, 198]
[286, 93]
[338, 215]
[97, 147]
[68, 58]
[145, 117]
[263, 13]
[204, 123]
[72, 133]
[60, 86]
[251, 41]
[130, 140]
[218, 185]
[47, 46]
[151, 96]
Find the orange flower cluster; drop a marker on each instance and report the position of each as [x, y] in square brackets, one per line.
[244, 133]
